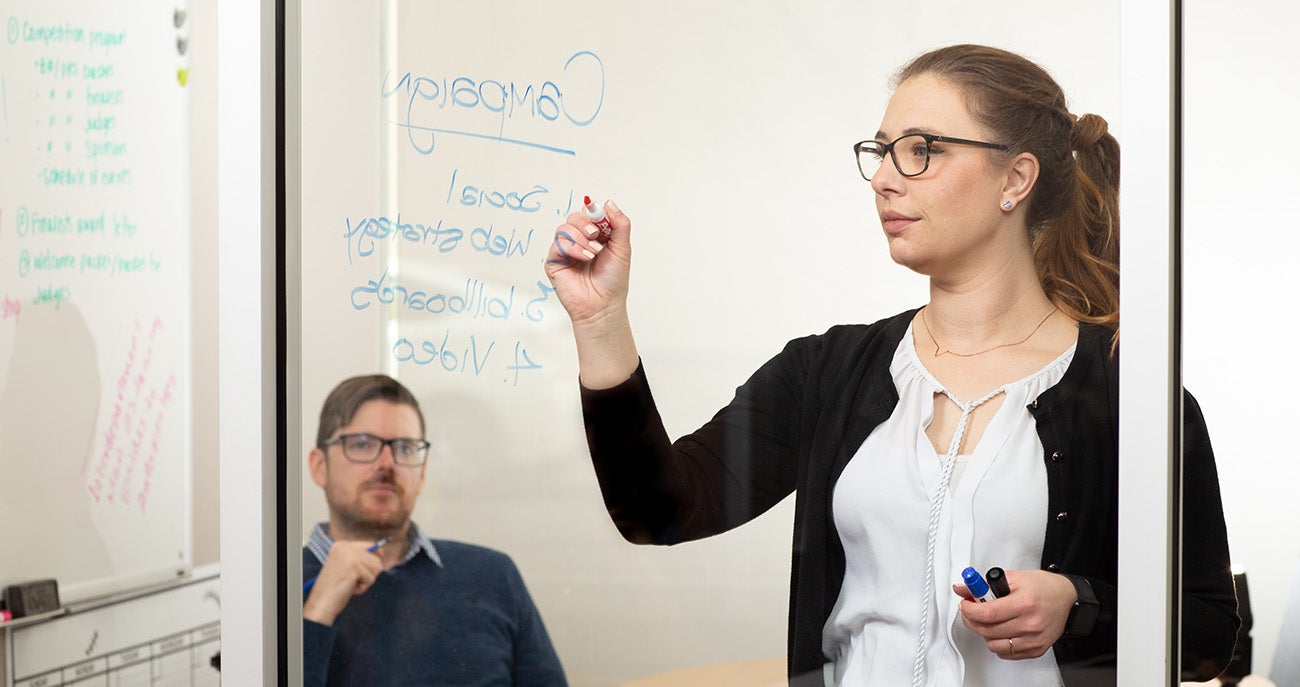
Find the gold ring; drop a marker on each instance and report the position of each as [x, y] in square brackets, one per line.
[1011, 645]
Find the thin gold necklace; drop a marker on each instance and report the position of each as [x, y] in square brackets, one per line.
[938, 352]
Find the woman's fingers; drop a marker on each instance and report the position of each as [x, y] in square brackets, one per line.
[1026, 623]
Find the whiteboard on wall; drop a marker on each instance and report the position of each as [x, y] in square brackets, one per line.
[94, 295]
[166, 636]
[441, 145]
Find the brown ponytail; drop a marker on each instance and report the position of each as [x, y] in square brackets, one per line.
[1073, 211]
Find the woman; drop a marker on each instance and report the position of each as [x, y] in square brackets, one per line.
[977, 430]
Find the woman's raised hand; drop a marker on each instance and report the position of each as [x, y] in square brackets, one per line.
[590, 276]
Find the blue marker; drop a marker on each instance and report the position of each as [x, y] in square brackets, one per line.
[977, 586]
[306, 586]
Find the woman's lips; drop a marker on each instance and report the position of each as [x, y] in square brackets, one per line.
[894, 222]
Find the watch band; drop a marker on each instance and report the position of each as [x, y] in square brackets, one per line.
[1083, 615]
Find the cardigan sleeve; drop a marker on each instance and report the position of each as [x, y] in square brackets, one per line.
[728, 472]
[1209, 613]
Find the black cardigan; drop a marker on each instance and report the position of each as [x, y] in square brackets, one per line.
[797, 421]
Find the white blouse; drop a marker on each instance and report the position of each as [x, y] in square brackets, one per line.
[991, 512]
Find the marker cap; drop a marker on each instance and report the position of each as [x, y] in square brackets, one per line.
[974, 582]
[997, 579]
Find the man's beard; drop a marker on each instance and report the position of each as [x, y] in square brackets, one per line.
[362, 519]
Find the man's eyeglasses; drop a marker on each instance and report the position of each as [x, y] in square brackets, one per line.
[911, 153]
[364, 448]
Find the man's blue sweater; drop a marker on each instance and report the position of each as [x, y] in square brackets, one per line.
[461, 617]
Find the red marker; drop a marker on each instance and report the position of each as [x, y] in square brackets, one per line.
[598, 218]
[6, 616]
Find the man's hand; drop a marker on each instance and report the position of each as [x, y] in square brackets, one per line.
[349, 570]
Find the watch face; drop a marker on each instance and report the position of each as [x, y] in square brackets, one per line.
[1083, 617]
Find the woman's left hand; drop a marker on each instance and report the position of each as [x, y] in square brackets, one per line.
[1026, 622]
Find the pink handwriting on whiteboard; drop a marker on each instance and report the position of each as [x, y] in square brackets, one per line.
[10, 308]
[122, 472]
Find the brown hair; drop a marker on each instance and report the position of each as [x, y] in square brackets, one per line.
[1073, 208]
[343, 402]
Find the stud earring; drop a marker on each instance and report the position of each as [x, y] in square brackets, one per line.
[1006, 205]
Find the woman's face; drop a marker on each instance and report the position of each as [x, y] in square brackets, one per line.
[944, 222]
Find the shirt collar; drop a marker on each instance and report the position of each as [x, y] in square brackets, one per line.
[319, 543]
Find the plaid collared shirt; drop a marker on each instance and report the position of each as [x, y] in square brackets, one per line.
[320, 542]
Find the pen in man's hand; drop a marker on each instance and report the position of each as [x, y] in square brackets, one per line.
[306, 587]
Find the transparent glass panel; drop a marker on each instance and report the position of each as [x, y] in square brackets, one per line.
[441, 145]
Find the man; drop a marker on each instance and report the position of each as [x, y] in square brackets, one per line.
[385, 605]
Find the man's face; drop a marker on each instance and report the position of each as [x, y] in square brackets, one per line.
[369, 500]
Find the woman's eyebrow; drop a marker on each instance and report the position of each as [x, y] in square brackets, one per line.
[881, 135]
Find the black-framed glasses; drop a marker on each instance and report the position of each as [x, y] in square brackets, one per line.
[365, 448]
[911, 153]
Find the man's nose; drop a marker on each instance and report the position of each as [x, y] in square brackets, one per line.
[386, 458]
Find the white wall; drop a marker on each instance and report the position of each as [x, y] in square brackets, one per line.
[1241, 241]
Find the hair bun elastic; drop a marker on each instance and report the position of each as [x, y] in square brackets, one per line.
[1087, 130]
